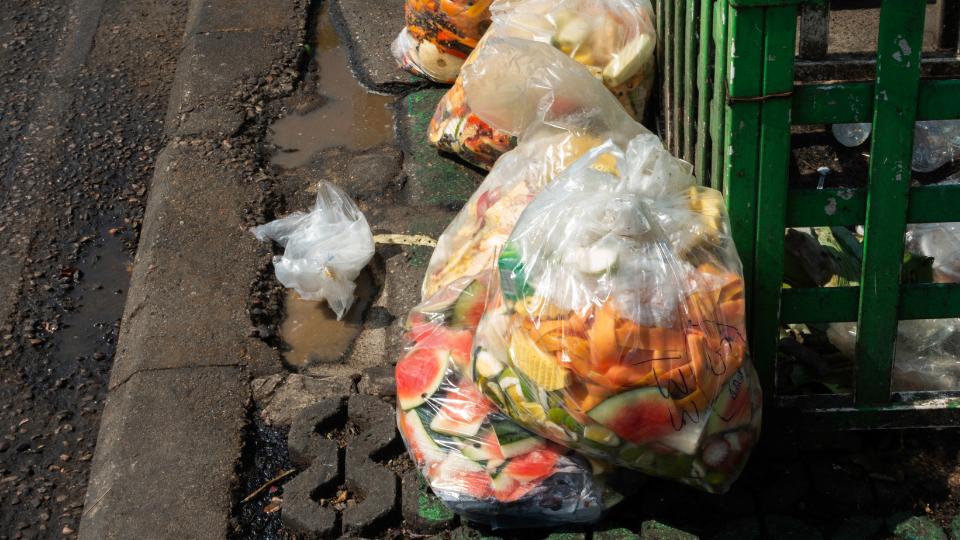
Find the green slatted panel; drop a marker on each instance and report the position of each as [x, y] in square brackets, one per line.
[718, 101]
[853, 102]
[735, 87]
[838, 207]
[679, 126]
[704, 90]
[839, 304]
[741, 143]
[691, 27]
[894, 114]
[780, 38]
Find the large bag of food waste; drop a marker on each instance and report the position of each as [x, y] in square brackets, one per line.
[438, 36]
[479, 462]
[502, 83]
[620, 332]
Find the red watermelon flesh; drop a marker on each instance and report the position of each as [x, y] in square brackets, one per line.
[474, 484]
[532, 466]
[466, 404]
[520, 492]
[460, 475]
[418, 375]
[507, 489]
[421, 329]
[459, 343]
[462, 412]
[639, 416]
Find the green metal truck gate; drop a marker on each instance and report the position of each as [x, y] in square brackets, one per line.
[736, 78]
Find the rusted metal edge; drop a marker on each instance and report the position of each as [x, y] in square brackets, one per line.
[774, 3]
[753, 99]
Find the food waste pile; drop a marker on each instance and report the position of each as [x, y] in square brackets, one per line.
[581, 324]
[583, 315]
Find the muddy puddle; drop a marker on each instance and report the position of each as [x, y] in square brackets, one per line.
[311, 332]
[349, 116]
[99, 298]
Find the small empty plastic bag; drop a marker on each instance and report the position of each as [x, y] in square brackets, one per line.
[324, 249]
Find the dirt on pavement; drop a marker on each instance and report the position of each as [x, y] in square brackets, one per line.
[83, 95]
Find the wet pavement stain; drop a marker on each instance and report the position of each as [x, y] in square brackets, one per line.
[311, 332]
[99, 298]
[349, 116]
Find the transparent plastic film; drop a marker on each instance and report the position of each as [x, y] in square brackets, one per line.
[439, 35]
[472, 240]
[324, 249]
[479, 462]
[620, 332]
[935, 142]
[506, 84]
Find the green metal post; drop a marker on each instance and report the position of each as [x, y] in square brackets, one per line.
[669, 44]
[741, 144]
[894, 113]
[679, 39]
[718, 103]
[780, 30]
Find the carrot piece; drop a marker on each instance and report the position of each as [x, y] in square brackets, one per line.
[731, 290]
[633, 336]
[602, 336]
[585, 396]
[694, 404]
[577, 352]
[732, 313]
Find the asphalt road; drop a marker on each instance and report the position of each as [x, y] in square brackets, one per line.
[84, 86]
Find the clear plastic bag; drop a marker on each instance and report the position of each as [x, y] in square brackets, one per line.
[926, 357]
[621, 330]
[477, 461]
[438, 36]
[324, 250]
[852, 135]
[510, 79]
[935, 142]
[927, 352]
[551, 138]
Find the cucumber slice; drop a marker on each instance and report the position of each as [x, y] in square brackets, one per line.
[487, 365]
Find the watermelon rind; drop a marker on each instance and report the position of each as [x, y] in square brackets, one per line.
[481, 447]
[514, 440]
[409, 398]
[687, 439]
[419, 437]
[449, 426]
[610, 410]
[469, 306]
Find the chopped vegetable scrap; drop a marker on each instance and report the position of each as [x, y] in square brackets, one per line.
[438, 36]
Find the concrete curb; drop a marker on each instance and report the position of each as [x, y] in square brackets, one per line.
[170, 433]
